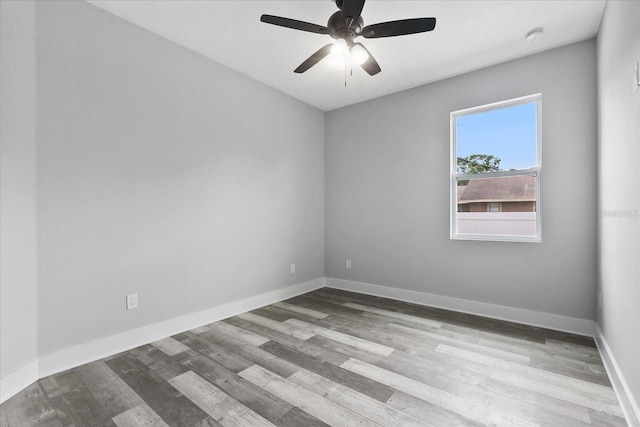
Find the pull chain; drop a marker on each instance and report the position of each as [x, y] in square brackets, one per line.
[347, 60]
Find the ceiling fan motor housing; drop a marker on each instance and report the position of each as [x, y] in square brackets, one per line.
[344, 28]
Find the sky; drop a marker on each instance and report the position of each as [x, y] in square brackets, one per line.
[507, 133]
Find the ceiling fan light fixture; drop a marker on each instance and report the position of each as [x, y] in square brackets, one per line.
[358, 54]
[339, 54]
[339, 48]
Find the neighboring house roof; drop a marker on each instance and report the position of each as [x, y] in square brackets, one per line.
[508, 188]
[461, 189]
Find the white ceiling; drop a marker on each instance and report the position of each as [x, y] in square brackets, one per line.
[469, 34]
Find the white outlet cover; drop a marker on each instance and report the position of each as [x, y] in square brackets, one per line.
[293, 268]
[132, 301]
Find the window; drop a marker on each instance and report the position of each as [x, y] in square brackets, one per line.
[494, 207]
[495, 171]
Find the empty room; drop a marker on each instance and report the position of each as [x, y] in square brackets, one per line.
[319, 213]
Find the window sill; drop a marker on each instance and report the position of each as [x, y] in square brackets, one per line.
[497, 238]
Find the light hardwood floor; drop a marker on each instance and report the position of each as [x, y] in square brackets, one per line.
[335, 358]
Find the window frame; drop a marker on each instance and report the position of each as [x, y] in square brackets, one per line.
[536, 170]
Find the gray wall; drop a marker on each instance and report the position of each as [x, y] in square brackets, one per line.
[163, 173]
[18, 253]
[619, 185]
[387, 190]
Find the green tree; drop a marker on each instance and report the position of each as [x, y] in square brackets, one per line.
[478, 163]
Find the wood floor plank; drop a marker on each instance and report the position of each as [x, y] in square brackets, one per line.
[321, 408]
[342, 376]
[455, 318]
[351, 340]
[141, 415]
[280, 314]
[200, 329]
[114, 394]
[436, 376]
[303, 346]
[296, 417]
[427, 358]
[603, 419]
[4, 422]
[170, 346]
[571, 348]
[594, 373]
[540, 350]
[563, 381]
[543, 403]
[227, 356]
[606, 405]
[250, 395]
[276, 326]
[251, 353]
[158, 361]
[73, 402]
[30, 408]
[160, 396]
[301, 310]
[357, 402]
[434, 395]
[351, 323]
[274, 313]
[480, 349]
[395, 315]
[355, 325]
[423, 410]
[220, 406]
[552, 358]
[240, 334]
[500, 402]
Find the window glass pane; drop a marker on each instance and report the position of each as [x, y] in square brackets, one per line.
[497, 140]
[499, 206]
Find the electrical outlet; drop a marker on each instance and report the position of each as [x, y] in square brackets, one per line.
[348, 264]
[132, 301]
[293, 268]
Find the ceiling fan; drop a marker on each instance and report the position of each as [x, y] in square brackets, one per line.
[347, 24]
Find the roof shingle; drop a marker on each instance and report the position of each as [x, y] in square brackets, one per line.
[507, 188]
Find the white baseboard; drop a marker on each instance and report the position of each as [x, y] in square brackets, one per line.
[511, 314]
[80, 354]
[620, 386]
[18, 380]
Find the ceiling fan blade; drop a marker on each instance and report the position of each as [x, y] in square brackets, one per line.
[294, 24]
[352, 8]
[399, 28]
[370, 65]
[314, 59]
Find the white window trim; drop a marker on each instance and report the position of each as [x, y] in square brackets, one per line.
[455, 177]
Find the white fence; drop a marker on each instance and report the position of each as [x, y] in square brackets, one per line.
[497, 223]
